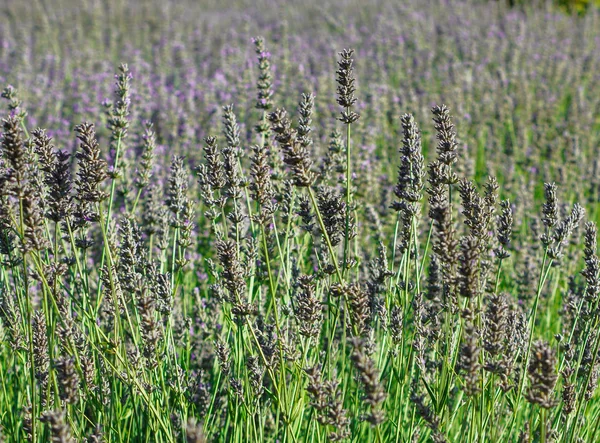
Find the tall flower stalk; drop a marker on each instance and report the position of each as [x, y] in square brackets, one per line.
[346, 87]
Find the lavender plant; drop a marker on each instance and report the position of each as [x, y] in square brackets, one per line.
[213, 246]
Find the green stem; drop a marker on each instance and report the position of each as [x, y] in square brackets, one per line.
[348, 197]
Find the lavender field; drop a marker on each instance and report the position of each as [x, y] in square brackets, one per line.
[254, 221]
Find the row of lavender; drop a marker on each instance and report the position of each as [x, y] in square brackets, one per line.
[518, 83]
[323, 259]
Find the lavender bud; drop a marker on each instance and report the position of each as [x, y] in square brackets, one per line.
[346, 86]
[542, 375]
[446, 135]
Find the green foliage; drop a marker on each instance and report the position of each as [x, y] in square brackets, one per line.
[260, 240]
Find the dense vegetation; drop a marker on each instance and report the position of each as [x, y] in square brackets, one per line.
[278, 239]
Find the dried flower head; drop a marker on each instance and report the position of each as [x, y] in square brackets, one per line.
[40, 350]
[591, 273]
[118, 121]
[92, 168]
[542, 375]
[265, 81]
[409, 188]
[233, 274]
[177, 191]
[550, 207]
[563, 231]
[231, 130]
[147, 157]
[296, 156]
[495, 324]
[16, 173]
[68, 379]
[468, 359]
[333, 210]
[469, 284]
[305, 110]
[346, 86]
[262, 186]
[505, 222]
[446, 135]
[214, 174]
[307, 307]
[60, 432]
